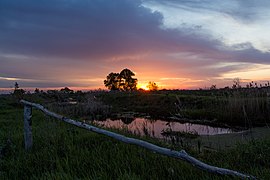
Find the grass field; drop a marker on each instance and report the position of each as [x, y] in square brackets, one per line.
[62, 151]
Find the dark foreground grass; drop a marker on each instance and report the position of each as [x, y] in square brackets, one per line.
[62, 151]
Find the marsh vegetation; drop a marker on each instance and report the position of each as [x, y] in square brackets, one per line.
[66, 152]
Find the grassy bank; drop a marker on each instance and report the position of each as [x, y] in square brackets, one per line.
[62, 151]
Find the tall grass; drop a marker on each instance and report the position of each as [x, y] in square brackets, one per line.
[246, 107]
[242, 107]
[62, 151]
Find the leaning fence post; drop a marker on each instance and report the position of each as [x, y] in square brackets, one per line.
[28, 139]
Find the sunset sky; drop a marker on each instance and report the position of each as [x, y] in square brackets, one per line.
[175, 43]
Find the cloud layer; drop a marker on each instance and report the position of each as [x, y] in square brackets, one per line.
[51, 43]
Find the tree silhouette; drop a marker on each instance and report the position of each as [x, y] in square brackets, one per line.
[112, 82]
[121, 81]
[16, 86]
[213, 87]
[18, 93]
[66, 90]
[237, 83]
[127, 82]
[152, 86]
[37, 91]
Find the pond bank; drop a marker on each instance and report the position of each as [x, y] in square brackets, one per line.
[209, 137]
[221, 141]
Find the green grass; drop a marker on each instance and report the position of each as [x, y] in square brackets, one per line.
[62, 151]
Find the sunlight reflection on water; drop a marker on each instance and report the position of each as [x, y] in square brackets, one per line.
[154, 128]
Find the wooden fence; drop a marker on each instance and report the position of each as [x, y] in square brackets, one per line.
[161, 150]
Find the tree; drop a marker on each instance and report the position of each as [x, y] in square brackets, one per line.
[16, 86]
[213, 87]
[237, 83]
[18, 93]
[66, 90]
[152, 86]
[112, 82]
[127, 82]
[37, 91]
[121, 81]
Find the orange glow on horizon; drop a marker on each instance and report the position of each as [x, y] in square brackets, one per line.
[142, 86]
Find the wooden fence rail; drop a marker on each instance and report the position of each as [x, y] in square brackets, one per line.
[168, 152]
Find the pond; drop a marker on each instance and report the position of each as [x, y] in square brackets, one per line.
[156, 128]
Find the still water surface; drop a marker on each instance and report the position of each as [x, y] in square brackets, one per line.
[154, 128]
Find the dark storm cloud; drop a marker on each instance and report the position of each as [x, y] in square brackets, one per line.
[95, 28]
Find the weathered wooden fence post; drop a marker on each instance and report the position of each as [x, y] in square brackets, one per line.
[28, 139]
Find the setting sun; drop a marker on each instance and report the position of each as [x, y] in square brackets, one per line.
[143, 86]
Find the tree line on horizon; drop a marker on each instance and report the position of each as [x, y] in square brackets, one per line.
[125, 81]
